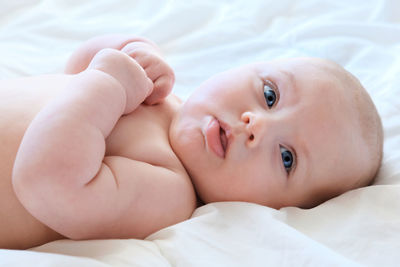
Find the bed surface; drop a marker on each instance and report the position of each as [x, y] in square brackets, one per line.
[199, 39]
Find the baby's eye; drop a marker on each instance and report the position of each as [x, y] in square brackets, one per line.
[269, 94]
[287, 159]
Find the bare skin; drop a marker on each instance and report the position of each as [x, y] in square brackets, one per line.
[105, 152]
[18, 228]
[20, 104]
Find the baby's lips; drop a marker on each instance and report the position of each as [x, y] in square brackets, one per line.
[213, 137]
[227, 134]
[224, 140]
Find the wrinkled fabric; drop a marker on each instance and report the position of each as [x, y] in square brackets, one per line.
[199, 39]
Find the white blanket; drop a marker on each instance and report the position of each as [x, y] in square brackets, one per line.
[198, 39]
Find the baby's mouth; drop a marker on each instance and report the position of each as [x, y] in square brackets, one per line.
[224, 139]
[217, 137]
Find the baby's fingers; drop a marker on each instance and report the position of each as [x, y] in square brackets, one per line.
[161, 74]
[163, 79]
[161, 88]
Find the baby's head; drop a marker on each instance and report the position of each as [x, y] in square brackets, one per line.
[291, 132]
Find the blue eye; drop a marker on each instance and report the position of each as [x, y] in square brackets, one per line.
[270, 95]
[287, 159]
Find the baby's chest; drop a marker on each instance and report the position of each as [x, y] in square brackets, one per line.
[143, 136]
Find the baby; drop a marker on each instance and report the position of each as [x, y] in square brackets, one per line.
[104, 151]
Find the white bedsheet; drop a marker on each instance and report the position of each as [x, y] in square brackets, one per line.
[200, 38]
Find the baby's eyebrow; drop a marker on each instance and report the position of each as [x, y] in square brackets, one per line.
[289, 76]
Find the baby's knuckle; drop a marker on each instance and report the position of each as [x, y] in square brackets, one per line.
[135, 51]
[106, 54]
[108, 59]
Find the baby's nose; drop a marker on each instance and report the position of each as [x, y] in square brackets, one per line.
[254, 127]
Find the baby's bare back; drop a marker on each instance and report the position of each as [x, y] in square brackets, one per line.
[21, 100]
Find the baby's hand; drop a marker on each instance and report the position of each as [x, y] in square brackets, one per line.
[148, 56]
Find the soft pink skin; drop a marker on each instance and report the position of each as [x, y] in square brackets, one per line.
[213, 138]
[312, 118]
[90, 177]
[72, 165]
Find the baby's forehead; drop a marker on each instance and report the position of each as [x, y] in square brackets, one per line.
[322, 73]
[302, 64]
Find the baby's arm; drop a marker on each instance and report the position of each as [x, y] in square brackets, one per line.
[61, 175]
[144, 51]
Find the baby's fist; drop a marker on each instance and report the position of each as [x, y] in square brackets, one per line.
[148, 56]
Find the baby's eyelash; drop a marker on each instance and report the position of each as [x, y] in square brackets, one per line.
[289, 159]
[271, 93]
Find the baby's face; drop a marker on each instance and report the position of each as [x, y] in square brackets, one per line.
[278, 133]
